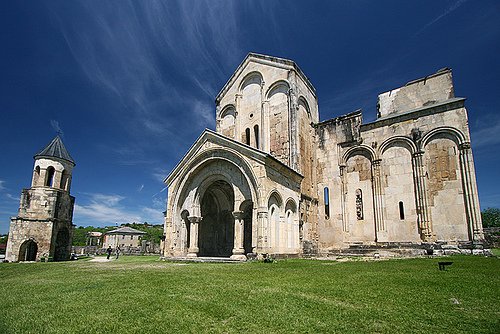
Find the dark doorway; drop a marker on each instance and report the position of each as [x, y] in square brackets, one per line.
[247, 207]
[216, 230]
[62, 249]
[28, 251]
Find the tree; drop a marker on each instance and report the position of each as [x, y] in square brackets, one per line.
[3, 239]
[491, 217]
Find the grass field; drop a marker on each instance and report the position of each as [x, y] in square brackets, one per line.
[144, 295]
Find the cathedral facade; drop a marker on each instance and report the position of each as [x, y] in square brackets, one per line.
[275, 179]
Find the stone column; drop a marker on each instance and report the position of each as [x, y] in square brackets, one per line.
[470, 193]
[262, 116]
[292, 124]
[265, 133]
[423, 214]
[193, 236]
[238, 251]
[262, 230]
[237, 121]
[343, 194]
[377, 199]
[168, 237]
[217, 117]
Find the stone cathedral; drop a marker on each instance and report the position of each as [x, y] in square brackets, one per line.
[275, 179]
[43, 227]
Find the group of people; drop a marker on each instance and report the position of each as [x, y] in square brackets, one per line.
[110, 250]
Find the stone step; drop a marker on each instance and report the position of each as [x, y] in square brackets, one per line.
[202, 259]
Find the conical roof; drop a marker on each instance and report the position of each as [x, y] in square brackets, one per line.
[55, 149]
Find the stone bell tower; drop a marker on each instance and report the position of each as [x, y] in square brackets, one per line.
[43, 226]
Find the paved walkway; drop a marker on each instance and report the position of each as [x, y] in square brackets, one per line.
[101, 259]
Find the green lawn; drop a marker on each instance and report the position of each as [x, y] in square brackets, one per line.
[144, 295]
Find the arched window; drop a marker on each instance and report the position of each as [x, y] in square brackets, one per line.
[326, 194]
[247, 136]
[401, 211]
[64, 180]
[49, 179]
[256, 133]
[359, 204]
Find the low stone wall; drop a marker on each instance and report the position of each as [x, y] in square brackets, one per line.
[94, 250]
[492, 236]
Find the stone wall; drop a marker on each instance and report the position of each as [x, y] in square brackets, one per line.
[22, 231]
[416, 94]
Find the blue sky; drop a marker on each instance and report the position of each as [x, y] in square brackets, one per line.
[132, 84]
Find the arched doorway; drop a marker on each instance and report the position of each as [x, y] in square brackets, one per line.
[28, 251]
[61, 252]
[216, 230]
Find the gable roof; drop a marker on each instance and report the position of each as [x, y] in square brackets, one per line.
[268, 60]
[125, 230]
[55, 149]
[246, 150]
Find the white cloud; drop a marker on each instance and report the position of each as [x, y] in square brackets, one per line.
[486, 133]
[446, 12]
[110, 200]
[13, 198]
[2, 187]
[159, 174]
[135, 50]
[105, 209]
[103, 214]
[55, 125]
[152, 215]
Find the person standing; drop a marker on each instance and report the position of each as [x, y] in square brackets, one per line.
[117, 251]
[109, 250]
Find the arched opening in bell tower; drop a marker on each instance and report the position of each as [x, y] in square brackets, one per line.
[28, 250]
[49, 179]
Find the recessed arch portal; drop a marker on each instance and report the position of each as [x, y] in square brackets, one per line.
[217, 188]
[28, 250]
[216, 230]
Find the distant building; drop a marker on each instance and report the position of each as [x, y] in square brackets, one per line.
[94, 238]
[43, 226]
[123, 237]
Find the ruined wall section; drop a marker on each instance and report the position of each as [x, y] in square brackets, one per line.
[398, 191]
[415, 94]
[330, 136]
[372, 168]
[444, 188]
[359, 210]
